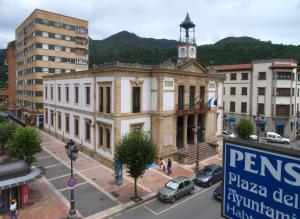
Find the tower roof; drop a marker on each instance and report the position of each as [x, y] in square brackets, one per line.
[187, 23]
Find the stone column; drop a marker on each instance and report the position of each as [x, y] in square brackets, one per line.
[185, 130]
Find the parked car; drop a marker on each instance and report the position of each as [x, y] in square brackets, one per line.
[176, 188]
[253, 137]
[218, 193]
[209, 175]
[228, 134]
[274, 137]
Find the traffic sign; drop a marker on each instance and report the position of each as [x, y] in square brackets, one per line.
[72, 182]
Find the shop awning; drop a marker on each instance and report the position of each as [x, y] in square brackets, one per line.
[35, 173]
[280, 123]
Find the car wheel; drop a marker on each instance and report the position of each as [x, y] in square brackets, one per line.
[192, 191]
[210, 183]
[285, 142]
[173, 199]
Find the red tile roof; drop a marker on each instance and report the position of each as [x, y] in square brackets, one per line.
[283, 66]
[232, 67]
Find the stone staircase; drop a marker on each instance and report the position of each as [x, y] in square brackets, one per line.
[188, 155]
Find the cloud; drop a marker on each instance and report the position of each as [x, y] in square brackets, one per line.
[275, 20]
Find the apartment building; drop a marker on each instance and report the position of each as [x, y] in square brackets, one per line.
[11, 73]
[97, 107]
[265, 92]
[46, 43]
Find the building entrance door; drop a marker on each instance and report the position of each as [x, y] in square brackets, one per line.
[279, 129]
[179, 132]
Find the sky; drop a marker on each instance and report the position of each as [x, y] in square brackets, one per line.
[269, 20]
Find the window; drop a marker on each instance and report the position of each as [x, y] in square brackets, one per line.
[68, 49]
[243, 107]
[298, 75]
[108, 99]
[107, 138]
[262, 75]
[57, 36]
[261, 91]
[284, 75]
[232, 91]
[282, 110]
[260, 108]
[67, 38]
[46, 92]
[45, 58]
[67, 123]
[101, 101]
[59, 120]
[100, 135]
[57, 48]
[76, 95]
[233, 76]
[244, 76]
[244, 91]
[298, 92]
[223, 90]
[59, 93]
[51, 93]
[137, 126]
[67, 94]
[46, 116]
[283, 92]
[232, 107]
[45, 70]
[192, 97]
[87, 130]
[136, 99]
[45, 46]
[76, 126]
[58, 25]
[45, 22]
[57, 71]
[57, 59]
[87, 95]
[181, 97]
[45, 34]
[52, 118]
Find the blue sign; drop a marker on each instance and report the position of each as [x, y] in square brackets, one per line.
[72, 182]
[260, 184]
[118, 173]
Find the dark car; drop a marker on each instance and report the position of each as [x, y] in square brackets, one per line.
[176, 188]
[209, 175]
[218, 193]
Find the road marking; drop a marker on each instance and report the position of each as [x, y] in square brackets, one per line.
[178, 203]
[61, 176]
[88, 168]
[68, 188]
[53, 165]
[51, 142]
[39, 158]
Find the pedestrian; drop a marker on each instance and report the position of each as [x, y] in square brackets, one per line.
[13, 209]
[169, 167]
[163, 164]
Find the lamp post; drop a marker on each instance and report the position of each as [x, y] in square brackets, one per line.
[258, 119]
[72, 153]
[195, 130]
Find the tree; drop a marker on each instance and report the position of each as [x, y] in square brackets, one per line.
[24, 144]
[244, 129]
[2, 119]
[6, 132]
[136, 150]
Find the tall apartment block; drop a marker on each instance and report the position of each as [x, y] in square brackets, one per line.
[46, 43]
[267, 92]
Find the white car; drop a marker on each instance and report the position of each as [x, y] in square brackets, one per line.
[228, 134]
[253, 137]
[274, 137]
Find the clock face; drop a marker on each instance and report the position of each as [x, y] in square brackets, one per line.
[182, 52]
[192, 51]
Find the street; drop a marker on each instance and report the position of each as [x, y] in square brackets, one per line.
[199, 205]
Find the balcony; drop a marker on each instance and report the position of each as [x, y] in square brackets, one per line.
[188, 109]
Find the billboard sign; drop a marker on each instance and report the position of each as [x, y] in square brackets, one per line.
[260, 181]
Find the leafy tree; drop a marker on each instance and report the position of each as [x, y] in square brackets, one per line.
[136, 150]
[24, 144]
[2, 119]
[6, 132]
[244, 129]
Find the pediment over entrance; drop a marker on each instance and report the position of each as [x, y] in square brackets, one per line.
[192, 66]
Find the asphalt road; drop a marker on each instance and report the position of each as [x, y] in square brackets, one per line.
[197, 206]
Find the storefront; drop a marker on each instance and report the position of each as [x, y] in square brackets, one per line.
[14, 178]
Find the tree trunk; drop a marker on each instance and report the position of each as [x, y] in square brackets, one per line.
[135, 189]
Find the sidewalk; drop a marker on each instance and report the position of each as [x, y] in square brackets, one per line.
[51, 202]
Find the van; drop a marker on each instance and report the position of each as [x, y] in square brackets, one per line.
[274, 137]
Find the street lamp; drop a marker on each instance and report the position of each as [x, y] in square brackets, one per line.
[195, 130]
[72, 153]
[257, 121]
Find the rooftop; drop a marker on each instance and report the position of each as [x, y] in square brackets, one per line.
[236, 67]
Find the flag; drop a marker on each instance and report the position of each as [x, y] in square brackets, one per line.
[216, 102]
[209, 101]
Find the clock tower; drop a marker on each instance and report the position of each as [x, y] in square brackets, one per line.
[187, 47]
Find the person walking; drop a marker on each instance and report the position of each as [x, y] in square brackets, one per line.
[13, 209]
[169, 167]
[163, 164]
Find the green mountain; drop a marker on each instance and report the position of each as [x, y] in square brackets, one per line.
[128, 47]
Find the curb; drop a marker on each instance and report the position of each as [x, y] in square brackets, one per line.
[126, 206]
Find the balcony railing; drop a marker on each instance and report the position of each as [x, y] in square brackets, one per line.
[187, 108]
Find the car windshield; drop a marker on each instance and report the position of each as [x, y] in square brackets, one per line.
[207, 171]
[172, 185]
